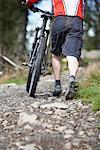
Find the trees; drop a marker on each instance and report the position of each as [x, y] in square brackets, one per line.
[12, 28]
[93, 24]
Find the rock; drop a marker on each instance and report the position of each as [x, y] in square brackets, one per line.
[35, 105]
[49, 126]
[12, 147]
[60, 112]
[69, 131]
[85, 107]
[30, 147]
[1, 119]
[48, 131]
[98, 114]
[90, 119]
[46, 125]
[72, 122]
[80, 104]
[55, 105]
[67, 136]
[5, 122]
[19, 111]
[9, 127]
[87, 146]
[7, 114]
[28, 127]
[26, 118]
[60, 128]
[68, 146]
[81, 133]
[48, 112]
[58, 118]
[18, 143]
[76, 142]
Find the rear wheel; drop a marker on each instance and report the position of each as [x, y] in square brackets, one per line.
[35, 70]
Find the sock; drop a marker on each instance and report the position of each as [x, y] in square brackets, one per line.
[72, 79]
[57, 82]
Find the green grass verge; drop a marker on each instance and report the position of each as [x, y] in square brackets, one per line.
[90, 94]
[19, 81]
[89, 90]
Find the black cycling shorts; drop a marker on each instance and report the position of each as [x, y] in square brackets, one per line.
[66, 36]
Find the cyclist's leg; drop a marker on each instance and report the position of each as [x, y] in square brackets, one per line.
[72, 65]
[56, 66]
[73, 68]
[72, 49]
[58, 36]
[57, 74]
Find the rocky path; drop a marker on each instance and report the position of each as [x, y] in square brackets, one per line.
[44, 122]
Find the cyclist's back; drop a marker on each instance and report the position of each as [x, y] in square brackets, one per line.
[66, 7]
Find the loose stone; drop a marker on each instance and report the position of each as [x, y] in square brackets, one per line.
[26, 118]
[68, 146]
[28, 127]
[81, 133]
[76, 142]
[67, 136]
[30, 147]
[36, 105]
[56, 105]
[69, 131]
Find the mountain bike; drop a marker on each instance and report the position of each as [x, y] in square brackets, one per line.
[37, 61]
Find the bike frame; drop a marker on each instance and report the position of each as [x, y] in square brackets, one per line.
[43, 33]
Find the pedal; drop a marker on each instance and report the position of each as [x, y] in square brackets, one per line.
[24, 64]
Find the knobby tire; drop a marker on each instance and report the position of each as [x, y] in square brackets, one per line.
[35, 71]
[33, 55]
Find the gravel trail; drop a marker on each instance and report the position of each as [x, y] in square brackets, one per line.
[46, 122]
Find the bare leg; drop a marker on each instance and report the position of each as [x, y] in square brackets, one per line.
[73, 65]
[57, 75]
[56, 66]
[73, 68]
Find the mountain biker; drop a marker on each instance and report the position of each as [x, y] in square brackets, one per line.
[67, 31]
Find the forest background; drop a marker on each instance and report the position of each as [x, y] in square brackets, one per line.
[13, 21]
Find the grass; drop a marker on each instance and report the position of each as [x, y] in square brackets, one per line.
[89, 88]
[88, 61]
[18, 77]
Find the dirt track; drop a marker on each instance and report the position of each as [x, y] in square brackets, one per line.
[45, 122]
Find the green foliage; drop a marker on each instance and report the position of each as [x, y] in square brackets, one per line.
[19, 81]
[89, 90]
[91, 94]
[98, 127]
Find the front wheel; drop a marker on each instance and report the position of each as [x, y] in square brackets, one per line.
[35, 70]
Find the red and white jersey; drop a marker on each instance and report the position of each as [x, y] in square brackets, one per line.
[67, 7]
